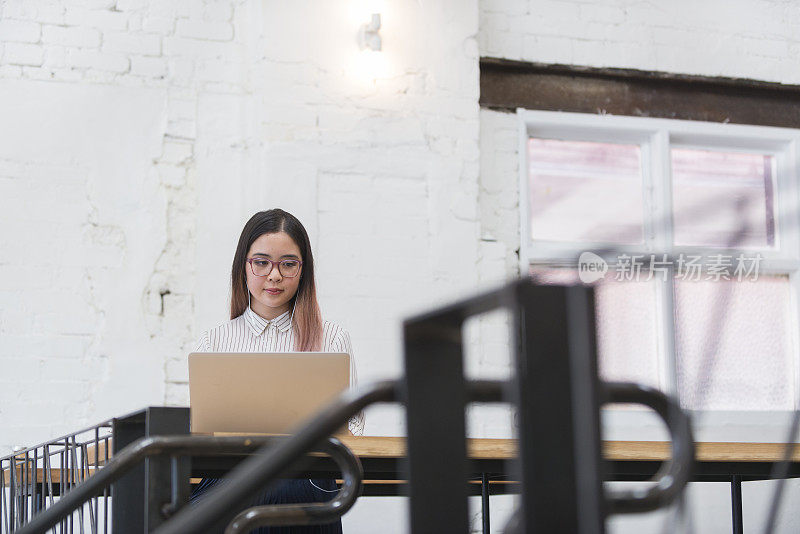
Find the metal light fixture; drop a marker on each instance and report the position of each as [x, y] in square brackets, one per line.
[368, 36]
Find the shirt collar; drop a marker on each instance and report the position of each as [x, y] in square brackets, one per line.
[258, 324]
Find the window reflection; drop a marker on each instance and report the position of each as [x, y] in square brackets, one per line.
[583, 192]
[723, 199]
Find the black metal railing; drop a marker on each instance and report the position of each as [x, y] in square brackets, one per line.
[34, 478]
[270, 456]
[258, 470]
[308, 513]
[556, 392]
[175, 446]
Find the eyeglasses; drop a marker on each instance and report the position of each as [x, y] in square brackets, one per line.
[263, 266]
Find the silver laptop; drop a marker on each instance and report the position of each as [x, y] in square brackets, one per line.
[262, 392]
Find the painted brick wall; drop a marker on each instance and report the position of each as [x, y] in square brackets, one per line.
[137, 136]
[121, 229]
[757, 39]
[380, 159]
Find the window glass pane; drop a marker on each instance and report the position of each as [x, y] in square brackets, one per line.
[746, 326]
[723, 198]
[626, 332]
[626, 325]
[582, 191]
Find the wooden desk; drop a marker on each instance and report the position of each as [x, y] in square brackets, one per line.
[733, 463]
[505, 449]
[382, 459]
[626, 460]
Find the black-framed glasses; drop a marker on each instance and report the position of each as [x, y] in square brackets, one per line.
[263, 266]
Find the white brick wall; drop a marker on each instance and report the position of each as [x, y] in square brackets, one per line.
[23, 54]
[223, 108]
[741, 38]
[70, 36]
[20, 31]
[128, 43]
[202, 29]
[66, 237]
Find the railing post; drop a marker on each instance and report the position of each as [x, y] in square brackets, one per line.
[139, 496]
[556, 389]
[435, 400]
[161, 472]
[127, 493]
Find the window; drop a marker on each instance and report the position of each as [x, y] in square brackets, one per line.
[715, 320]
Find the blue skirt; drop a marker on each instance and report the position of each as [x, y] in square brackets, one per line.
[287, 491]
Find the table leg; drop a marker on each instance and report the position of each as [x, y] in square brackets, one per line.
[485, 502]
[736, 503]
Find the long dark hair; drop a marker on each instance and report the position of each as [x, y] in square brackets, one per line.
[307, 323]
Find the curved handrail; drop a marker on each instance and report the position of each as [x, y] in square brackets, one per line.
[673, 475]
[132, 455]
[251, 475]
[309, 513]
[274, 455]
[248, 476]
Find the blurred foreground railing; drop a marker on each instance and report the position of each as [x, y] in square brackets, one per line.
[555, 389]
[271, 456]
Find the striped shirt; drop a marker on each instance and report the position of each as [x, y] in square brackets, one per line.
[252, 333]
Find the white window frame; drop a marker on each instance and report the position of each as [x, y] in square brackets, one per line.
[656, 137]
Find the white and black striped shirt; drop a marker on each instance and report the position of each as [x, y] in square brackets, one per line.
[252, 333]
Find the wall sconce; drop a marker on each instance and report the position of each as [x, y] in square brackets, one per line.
[368, 36]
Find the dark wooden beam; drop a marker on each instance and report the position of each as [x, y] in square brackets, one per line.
[507, 85]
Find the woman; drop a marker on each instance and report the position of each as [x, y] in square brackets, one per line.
[274, 309]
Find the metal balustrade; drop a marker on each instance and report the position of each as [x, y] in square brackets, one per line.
[555, 389]
[35, 478]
